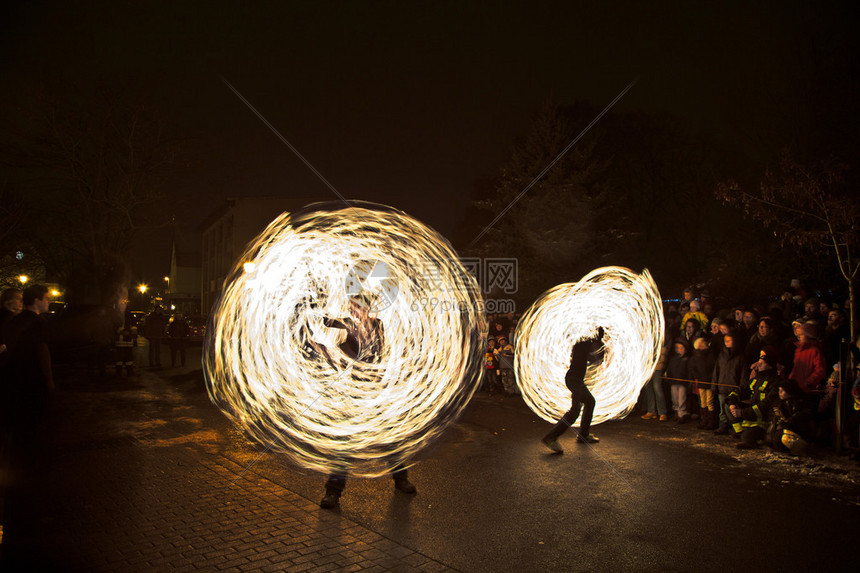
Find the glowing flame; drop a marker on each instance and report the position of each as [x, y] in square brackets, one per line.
[628, 307]
[277, 368]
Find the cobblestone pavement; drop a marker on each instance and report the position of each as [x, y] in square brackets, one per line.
[122, 490]
[142, 473]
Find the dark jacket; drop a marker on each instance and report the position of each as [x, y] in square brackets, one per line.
[582, 354]
[701, 366]
[729, 370]
[757, 343]
[678, 369]
[155, 325]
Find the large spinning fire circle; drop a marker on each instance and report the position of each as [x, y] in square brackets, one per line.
[628, 307]
[347, 338]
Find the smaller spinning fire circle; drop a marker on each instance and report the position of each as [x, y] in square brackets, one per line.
[347, 338]
[628, 307]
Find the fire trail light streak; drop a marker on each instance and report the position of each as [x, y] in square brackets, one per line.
[275, 365]
[628, 307]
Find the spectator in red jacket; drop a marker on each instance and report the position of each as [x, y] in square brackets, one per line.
[809, 362]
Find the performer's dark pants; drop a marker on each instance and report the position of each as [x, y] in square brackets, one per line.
[336, 482]
[579, 396]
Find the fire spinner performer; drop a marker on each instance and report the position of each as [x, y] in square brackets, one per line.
[603, 335]
[364, 342]
[297, 357]
[584, 352]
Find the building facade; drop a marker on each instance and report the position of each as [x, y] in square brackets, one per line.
[227, 232]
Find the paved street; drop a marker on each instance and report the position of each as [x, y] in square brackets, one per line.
[144, 474]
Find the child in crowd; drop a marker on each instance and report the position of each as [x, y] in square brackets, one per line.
[677, 371]
[505, 357]
[491, 367]
[701, 366]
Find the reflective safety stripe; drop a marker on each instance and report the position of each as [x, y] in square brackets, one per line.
[757, 411]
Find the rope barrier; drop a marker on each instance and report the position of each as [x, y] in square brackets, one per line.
[715, 383]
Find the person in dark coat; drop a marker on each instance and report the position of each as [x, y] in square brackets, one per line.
[11, 303]
[28, 380]
[729, 373]
[678, 373]
[178, 332]
[764, 336]
[154, 330]
[25, 392]
[584, 352]
[836, 335]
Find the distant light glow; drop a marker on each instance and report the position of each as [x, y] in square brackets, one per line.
[280, 374]
[628, 307]
[23, 279]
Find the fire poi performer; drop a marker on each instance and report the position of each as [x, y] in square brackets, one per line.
[364, 343]
[584, 352]
[360, 403]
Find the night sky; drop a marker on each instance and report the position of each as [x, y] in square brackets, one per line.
[410, 103]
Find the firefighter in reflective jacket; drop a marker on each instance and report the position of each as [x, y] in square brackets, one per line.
[749, 408]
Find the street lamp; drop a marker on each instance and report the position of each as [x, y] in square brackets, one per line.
[23, 279]
[142, 288]
[167, 280]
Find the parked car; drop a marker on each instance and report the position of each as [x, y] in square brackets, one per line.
[198, 328]
[134, 318]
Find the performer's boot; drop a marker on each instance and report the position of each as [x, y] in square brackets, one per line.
[330, 499]
[334, 486]
[402, 483]
[551, 439]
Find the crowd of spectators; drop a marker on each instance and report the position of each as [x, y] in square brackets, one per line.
[771, 375]
[498, 373]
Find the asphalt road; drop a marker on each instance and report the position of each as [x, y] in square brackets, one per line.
[650, 496]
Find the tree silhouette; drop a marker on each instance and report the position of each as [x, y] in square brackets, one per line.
[89, 169]
[806, 206]
[547, 205]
